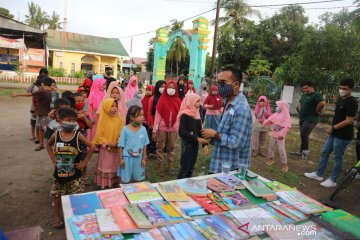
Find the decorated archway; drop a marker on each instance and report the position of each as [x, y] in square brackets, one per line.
[196, 41]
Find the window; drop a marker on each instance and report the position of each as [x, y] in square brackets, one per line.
[61, 65]
[72, 67]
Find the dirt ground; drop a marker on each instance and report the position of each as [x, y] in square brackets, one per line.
[25, 175]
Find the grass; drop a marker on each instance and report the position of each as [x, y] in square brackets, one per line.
[5, 92]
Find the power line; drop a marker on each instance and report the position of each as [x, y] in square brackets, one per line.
[298, 3]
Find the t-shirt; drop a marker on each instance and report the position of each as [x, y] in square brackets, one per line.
[67, 154]
[108, 81]
[308, 104]
[44, 97]
[133, 142]
[189, 128]
[344, 108]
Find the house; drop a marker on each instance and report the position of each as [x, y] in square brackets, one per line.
[133, 63]
[76, 52]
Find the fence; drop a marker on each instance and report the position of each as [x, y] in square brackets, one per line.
[30, 79]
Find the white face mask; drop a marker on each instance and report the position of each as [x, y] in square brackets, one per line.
[161, 90]
[343, 93]
[170, 91]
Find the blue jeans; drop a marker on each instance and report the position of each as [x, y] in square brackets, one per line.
[189, 153]
[336, 146]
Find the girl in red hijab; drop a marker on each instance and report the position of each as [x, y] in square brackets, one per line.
[166, 126]
[213, 105]
[149, 119]
[190, 87]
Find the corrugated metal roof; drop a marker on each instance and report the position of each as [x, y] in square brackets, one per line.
[7, 23]
[60, 40]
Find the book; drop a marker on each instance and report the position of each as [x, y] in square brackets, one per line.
[174, 232]
[313, 227]
[253, 199]
[232, 223]
[198, 228]
[278, 216]
[194, 234]
[123, 219]
[288, 232]
[138, 217]
[167, 211]
[172, 192]
[259, 189]
[232, 181]
[152, 215]
[287, 210]
[85, 227]
[235, 200]
[112, 198]
[140, 192]
[278, 186]
[219, 201]
[302, 202]
[217, 186]
[209, 205]
[194, 187]
[189, 209]
[84, 203]
[166, 233]
[182, 231]
[224, 225]
[146, 236]
[156, 234]
[211, 227]
[344, 221]
[106, 221]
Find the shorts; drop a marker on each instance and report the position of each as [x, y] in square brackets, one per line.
[42, 122]
[72, 187]
[133, 170]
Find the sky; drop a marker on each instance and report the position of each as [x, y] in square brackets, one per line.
[121, 18]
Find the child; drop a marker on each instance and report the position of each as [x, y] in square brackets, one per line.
[106, 138]
[203, 93]
[96, 96]
[136, 100]
[115, 92]
[262, 112]
[54, 93]
[64, 151]
[181, 88]
[190, 87]
[280, 124]
[132, 147]
[190, 134]
[149, 120]
[213, 104]
[131, 88]
[55, 124]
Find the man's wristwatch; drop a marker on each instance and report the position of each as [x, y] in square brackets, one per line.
[217, 135]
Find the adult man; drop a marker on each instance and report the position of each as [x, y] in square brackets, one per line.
[340, 134]
[309, 108]
[108, 76]
[232, 140]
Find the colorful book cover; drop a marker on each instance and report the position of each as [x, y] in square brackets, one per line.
[84, 203]
[112, 198]
[194, 234]
[284, 233]
[106, 221]
[156, 234]
[235, 200]
[123, 219]
[288, 210]
[232, 223]
[258, 188]
[174, 232]
[209, 205]
[278, 216]
[190, 208]
[224, 225]
[198, 228]
[344, 221]
[219, 201]
[182, 231]
[86, 227]
[232, 181]
[172, 192]
[150, 212]
[217, 186]
[167, 211]
[146, 236]
[166, 233]
[321, 233]
[140, 192]
[253, 199]
[194, 186]
[278, 186]
[302, 202]
[139, 218]
[211, 227]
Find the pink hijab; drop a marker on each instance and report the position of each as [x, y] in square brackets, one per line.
[131, 90]
[267, 108]
[96, 93]
[281, 118]
[187, 106]
[121, 102]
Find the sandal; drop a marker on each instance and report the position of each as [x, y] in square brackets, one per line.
[285, 169]
[39, 148]
[58, 224]
[270, 162]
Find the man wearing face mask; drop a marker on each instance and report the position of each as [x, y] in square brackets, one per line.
[232, 139]
[108, 76]
[309, 108]
[340, 134]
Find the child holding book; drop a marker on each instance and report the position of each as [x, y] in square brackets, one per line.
[132, 147]
[262, 112]
[190, 134]
[279, 125]
[64, 150]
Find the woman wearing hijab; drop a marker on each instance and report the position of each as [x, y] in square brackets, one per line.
[131, 88]
[203, 93]
[181, 88]
[95, 97]
[106, 138]
[166, 126]
[190, 87]
[136, 100]
[115, 92]
[149, 120]
[153, 101]
[213, 104]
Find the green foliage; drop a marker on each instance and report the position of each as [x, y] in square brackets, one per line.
[259, 67]
[18, 68]
[56, 72]
[39, 19]
[208, 65]
[78, 74]
[5, 12]
[150, 57]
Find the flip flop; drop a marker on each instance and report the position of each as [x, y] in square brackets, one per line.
[270, 162]
[58, 224]
[285, 169]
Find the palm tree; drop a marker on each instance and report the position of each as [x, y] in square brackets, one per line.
[36, 18]
[53, 21]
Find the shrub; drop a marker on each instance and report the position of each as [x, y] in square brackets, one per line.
[78, 74]
[56, 72]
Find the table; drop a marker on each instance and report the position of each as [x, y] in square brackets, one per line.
[66, 205]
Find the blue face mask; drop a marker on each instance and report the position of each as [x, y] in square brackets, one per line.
[225, 90]
[277, 109]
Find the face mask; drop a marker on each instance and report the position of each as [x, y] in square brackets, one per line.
[204, 88]
[139, 95]
[225, 90]
[161, 90]
[343, 93]
[170, 91]
[68, 127]
[135, 124]
[108, 73]
[277, 109]
[80, 106]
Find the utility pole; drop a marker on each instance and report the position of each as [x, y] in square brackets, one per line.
[65, 16]
[213, 59]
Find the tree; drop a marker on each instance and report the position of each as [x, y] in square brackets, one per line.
[5, 12]
[259, 67]
[53, 21]
[39, 19]
[150, 57]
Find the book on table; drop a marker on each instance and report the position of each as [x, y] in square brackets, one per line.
[235, 200]
[278, 215]
[232, 180]
[210, 226]
[189, 209]
[106, 221]
[123, 219]
[194, 186]
[259, 189]
[172, 192]
[152, 214]
[84, 203]
[209, 205]
[167, 211]
[140, 192]
[138, 217]
[219, 201]
[218, 186]
[344, 221]
[313, 227]
[287, 210]
[156, 234]
[112, 198]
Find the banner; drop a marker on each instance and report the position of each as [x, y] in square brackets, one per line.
[33, 57]
[12, 43]
[8, 58]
